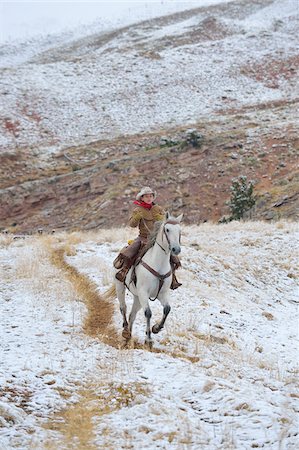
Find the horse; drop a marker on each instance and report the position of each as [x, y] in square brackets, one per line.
[153, 278]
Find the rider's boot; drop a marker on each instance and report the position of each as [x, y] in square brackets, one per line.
[174, 283]
[121, 275]
[118, 262]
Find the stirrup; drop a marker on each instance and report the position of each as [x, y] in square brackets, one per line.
[175, 284]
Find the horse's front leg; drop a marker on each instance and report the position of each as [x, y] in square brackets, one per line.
[135, 308]
[148, 314]
[121, 295]
[166, 310]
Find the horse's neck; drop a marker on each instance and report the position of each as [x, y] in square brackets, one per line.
[158, 258]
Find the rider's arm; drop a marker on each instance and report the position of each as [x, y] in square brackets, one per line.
[135, 218]
[158, 213]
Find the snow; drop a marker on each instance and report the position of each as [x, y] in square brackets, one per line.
[222, 374]
[28, 28]
[23, 20]
[79, 87]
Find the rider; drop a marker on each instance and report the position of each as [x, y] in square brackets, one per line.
[144, 216]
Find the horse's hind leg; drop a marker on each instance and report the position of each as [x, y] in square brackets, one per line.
[135, 308]
[121, 295]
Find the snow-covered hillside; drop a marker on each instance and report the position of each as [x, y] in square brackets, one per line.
[21, 21]
[222, 374]
[73, 89]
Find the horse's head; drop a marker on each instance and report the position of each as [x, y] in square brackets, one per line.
[172, 232]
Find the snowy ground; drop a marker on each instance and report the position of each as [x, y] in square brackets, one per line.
[73, 88]
[224, 370]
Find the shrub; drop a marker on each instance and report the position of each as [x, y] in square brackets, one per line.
[241, 200]
[194, 138]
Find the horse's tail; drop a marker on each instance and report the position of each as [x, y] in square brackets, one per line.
[110, 294]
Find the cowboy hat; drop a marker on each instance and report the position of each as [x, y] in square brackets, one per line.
[145, 190]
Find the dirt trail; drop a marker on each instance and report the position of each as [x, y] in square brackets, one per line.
[76, 423]
[98, 321]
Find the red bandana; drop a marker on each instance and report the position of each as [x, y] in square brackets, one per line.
[143, 204]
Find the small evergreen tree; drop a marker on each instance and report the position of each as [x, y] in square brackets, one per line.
[242, 198]
[194, 138]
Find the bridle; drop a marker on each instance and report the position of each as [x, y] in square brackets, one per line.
[170, 222]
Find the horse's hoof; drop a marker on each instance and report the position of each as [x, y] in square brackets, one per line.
[156, 328]
[126, 333]
[149, 344]
[125, 344]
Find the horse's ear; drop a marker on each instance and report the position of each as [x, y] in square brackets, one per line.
[167, 215]
[179, 219]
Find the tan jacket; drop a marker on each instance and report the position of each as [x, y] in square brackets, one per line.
[145, 219]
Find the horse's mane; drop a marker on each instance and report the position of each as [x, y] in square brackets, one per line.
[153, 236]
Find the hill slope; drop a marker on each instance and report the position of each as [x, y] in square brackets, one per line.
[222, 374]
[168, 71]
[81, 123]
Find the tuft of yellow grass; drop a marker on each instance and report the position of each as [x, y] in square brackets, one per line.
[30, 261]
[76, 424]
[208, 386]
[6, 240]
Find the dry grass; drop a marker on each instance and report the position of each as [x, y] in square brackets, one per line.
[100, 311]
[36, 274]
[76, 424]
[208, 386]
[30, 262]
[6, 240]
[18, 396]
[176, 353]
[95, 262]
[103, 236]
[259, 227]
[268, 315]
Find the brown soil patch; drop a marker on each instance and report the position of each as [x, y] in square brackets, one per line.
[273, 71]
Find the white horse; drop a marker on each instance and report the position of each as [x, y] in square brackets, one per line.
[153, 278]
